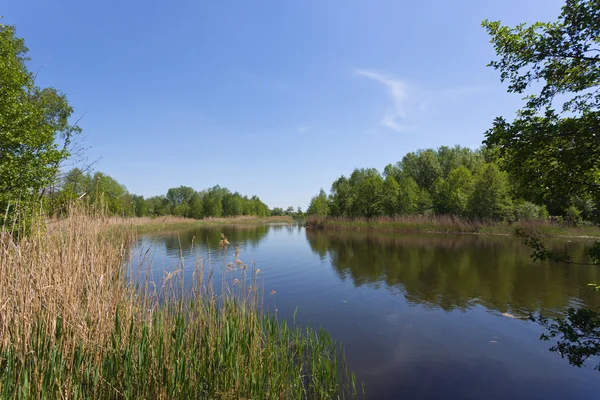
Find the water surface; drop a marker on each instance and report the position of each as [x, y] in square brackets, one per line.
[421, 316]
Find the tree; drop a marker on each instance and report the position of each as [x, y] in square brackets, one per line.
[423, 166]
[140, 206]
[408, 195]
[196, 206]
[109, 193]
[554, 153]
[318, 205]
[549, 152]
[232, 205]
[367, 186]
[490, 199]
[34, 125]
[451, 158]
[342, 194]
[277, 211]
[452, 194]
[157, 205]
[212, 204]
[389, 196]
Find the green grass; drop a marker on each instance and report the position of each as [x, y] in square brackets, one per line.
[226, 352]
[448, 224]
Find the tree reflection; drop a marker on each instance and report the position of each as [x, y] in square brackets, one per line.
[457, 271]
[243, 236]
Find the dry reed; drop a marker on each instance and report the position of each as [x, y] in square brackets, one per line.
[73, 324]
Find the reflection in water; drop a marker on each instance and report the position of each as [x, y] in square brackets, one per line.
[456, 271]
[197, 250]
[208, 238]
[413, 311]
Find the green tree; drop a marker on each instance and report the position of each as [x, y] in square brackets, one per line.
[110, 194]
[551, 152]
[157, 206]
[277, 212]
[367, 186]
[179, 200]
[390, 196]
[318, 205]
[212, 203]
[423, 166]
[408, 195]
[451, 158]
[490, 199]
[452, 194]
[34, 125]
[140, 206]
[232, 204]
[342, 194]
[554, 153]
[196, 206]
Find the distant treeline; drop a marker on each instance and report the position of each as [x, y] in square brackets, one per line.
[447, 181]
[183, 201]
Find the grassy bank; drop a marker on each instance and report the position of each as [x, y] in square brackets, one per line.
[447, 224]
[72, 326]
[153, 224]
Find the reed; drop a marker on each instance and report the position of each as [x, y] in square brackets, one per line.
[75, 324]
[448, 224]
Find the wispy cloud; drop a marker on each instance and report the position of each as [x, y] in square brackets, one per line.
[411, 103]
[396, 116]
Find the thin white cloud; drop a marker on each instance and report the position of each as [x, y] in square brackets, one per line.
[398, 90]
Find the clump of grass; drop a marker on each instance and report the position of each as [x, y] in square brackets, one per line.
[73, 325]
[446, 224]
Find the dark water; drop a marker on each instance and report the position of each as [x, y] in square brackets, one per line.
[421, 316]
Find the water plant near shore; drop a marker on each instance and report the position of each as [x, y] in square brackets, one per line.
[447, 224]
[74, 324]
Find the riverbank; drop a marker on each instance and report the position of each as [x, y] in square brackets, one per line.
[446, 224]
[73, 325]
[169, 222]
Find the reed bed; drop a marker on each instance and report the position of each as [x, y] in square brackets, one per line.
[74, 324]
[170, 222]
[448, 224]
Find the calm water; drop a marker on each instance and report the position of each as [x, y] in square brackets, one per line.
[421, 316]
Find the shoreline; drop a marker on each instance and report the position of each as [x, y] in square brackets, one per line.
[149, 225]
[449, 225]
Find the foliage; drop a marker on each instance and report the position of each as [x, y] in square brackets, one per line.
[490, 199]
[390, 196]
[451, 195]
[527, 211]
[453, 181]
[423, 166]
[551, 153]
[551, 149]
[33, 124]
[111, 197]
[318, 204]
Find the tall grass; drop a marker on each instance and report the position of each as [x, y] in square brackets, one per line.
[73, 324]
[447, 224]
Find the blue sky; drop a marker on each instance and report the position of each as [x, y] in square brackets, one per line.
[274, 98]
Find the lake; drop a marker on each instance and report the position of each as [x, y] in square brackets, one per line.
[421, 316]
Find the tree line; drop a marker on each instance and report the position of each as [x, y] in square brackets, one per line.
[183, 201]
[454, 181]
